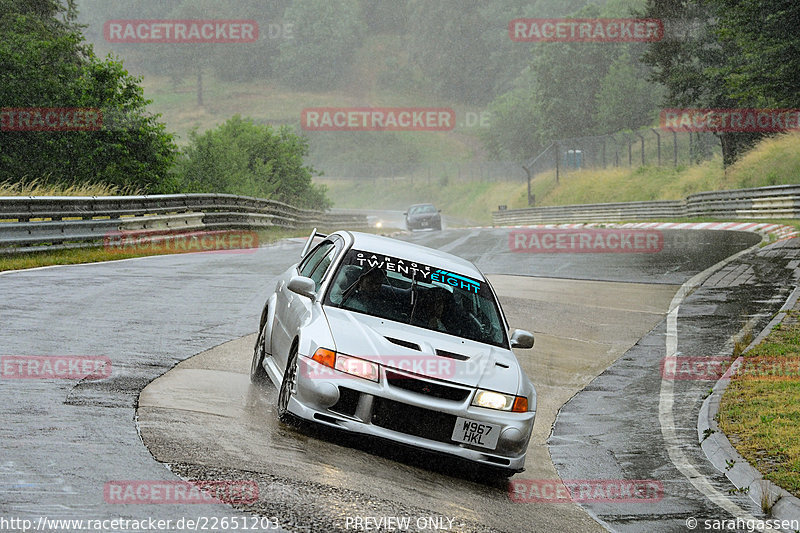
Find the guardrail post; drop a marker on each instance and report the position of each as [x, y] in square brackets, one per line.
[604, 151]
[630, 152]
[616, 150]
[558, 154]
[641, 137]
[658, 142]
[674, 148]
[528, 172]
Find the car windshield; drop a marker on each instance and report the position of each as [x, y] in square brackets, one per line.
[421, 209]
[416, 294]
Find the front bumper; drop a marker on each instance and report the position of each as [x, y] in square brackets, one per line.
[412, 418]
[422, 223]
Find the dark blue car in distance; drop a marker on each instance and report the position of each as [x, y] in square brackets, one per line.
[423, 216]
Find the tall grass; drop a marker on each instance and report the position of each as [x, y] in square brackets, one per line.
[773, 161]
[38, 187]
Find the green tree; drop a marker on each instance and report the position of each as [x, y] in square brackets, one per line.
[572, 89]
[385, 17]
[241, 157]
[326, 35]
[463, 48]
[626, 99]
[514, 130]
[691, 62]
[766, 71]
[45, 63]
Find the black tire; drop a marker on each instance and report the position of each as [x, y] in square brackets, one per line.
[257, 372]
[288, 387]
[438, 226]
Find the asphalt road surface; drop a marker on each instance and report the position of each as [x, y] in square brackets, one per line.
[64, 441]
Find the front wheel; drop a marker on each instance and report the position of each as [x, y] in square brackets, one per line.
[257, 372]
[288, 387]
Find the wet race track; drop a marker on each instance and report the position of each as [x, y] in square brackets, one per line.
[605, 414]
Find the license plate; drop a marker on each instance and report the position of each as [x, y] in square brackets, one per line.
[476, 433]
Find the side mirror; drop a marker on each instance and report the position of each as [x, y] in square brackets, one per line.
[439, 211]
[303, 286]
[522, 339]
[406, 213]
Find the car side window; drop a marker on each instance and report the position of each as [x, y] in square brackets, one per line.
[322, 266]
[312, 260]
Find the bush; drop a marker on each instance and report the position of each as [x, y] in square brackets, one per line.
[241, 157]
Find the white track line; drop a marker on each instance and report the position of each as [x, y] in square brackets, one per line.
[666, 400]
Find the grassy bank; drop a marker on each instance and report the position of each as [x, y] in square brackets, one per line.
[760, 409]
[23, 260]
[774, 161]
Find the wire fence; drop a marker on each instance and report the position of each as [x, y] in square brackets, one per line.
[646, 147]
[653, 147]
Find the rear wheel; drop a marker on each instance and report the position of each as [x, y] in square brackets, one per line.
[288, 386]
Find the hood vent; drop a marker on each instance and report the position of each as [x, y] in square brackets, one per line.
[451, 355]
[405, 344]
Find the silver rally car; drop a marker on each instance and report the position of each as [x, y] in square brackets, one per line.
[398, 341]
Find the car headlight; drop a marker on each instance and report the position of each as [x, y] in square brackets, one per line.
[348, 364]
[357, 367]
[501, 402]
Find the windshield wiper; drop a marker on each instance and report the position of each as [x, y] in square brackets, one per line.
[348, 292]
[414, 298]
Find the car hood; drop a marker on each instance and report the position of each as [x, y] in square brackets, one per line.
[440, 356]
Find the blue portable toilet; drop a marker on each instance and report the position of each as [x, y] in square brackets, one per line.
[573, 159]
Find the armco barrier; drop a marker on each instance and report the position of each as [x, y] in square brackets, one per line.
[34, 222]
[779, 201]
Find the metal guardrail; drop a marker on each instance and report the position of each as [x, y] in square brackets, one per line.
[779, 201]
[35, 222]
